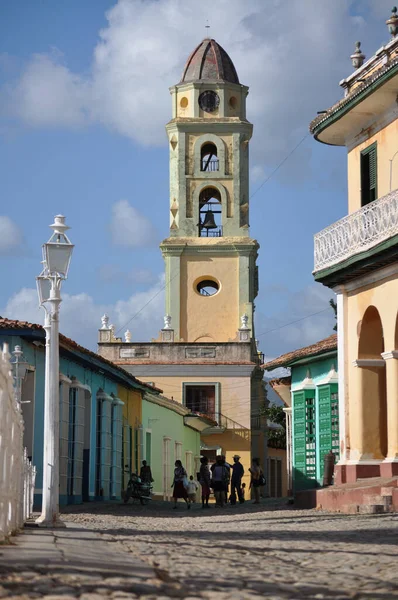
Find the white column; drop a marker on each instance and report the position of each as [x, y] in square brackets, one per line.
[391, 359]
[289, 456]
[341, 368]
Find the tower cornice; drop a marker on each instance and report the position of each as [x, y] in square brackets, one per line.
[234, 245]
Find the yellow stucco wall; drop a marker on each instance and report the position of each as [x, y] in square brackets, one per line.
[209, 318]
[235, 393]
[132, 411]
[232, 443]
[386, 147]
[363, 385]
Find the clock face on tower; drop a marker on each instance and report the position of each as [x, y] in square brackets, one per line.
[209, 101]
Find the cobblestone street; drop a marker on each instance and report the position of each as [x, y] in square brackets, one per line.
[231, 553]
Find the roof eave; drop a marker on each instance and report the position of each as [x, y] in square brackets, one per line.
[335, 115]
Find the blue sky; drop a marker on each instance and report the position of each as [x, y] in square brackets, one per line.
[83, 103]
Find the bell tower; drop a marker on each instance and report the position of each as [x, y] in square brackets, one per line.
[205, 356]
[210, 259]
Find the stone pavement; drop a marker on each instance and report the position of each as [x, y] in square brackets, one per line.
[236, 553]
[73, 562]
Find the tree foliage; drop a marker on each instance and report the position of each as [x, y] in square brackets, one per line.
[334, 306]
[276, 437]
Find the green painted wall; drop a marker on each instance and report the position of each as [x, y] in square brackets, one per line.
[313, 437]
[163, 422]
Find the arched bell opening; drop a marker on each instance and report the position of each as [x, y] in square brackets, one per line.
[208, 157]
[210, 213]
[372, 385]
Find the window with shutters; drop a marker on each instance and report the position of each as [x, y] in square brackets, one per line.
[310, 437]
[304, 439]
[369, 174]
[328, 423]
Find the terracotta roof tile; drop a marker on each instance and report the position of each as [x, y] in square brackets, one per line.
[326, 345]
[72, 345]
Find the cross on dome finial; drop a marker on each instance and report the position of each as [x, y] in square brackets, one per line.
[207, 27]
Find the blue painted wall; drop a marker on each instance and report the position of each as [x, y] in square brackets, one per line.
[90, 376]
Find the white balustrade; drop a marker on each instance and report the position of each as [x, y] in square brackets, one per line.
[358, 232]
[17, 475]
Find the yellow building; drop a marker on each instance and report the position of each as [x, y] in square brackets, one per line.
[206, 356]
[131, 433]
[358, 258]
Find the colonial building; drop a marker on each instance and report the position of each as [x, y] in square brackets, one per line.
[310, 395]
[206, 356]
[358, 258]
[102, 414]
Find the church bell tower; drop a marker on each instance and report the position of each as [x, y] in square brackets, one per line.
[210, 259]
[205, 357]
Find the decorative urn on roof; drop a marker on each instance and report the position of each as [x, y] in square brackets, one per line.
[358, 57]
[392, 22]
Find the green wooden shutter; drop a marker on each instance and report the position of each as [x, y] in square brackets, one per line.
[310, 437]
[373, 173]
[369, 174]
[325, 425]
[334, 411]
[298, 432]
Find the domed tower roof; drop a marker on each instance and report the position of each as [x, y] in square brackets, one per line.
[209, 62]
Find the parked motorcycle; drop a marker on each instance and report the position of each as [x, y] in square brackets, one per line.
[138, 489]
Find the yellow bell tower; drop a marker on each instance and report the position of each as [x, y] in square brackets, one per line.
[211, 273]
[206, 357]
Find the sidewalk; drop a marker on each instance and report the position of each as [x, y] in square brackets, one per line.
[73, 563]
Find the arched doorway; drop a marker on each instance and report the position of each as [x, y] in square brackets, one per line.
[372, 386]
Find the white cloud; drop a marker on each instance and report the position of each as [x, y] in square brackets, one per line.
[291, 63]
[80, 314]
[48, 94]
[130, 228]
[10, 236]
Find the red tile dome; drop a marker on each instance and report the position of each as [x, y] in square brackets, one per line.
[209, 62]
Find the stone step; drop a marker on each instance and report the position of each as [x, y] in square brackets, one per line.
[378, 499]
[372, 509]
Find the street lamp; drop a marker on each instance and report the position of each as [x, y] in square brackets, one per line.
[57, 253]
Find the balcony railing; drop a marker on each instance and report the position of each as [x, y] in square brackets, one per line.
[358, 232]
[209, 165]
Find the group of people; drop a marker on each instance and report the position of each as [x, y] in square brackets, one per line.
[218, 478]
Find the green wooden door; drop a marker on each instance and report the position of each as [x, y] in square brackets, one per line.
[325, 426]
[305, 439]
[298, 431]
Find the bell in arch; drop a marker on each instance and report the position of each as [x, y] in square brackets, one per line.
[209, 222]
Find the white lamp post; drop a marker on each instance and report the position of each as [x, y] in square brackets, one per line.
[57, 253]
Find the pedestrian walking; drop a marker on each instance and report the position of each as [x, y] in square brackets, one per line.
[257, 479]
[236, 480]
[204, 480]
[192, 489]
[220, 480]
[146, 473]
[180, 484]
